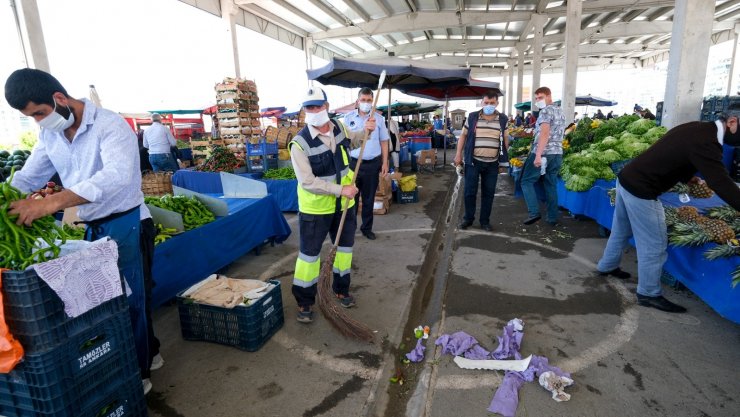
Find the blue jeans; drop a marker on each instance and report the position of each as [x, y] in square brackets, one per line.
[645, 220]
[162, 162]
[530, 175]
[488, 173]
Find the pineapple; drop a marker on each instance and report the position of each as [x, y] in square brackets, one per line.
[725, 213]
[671, 216]
[688, 234]
[700, 190]
[687, 214]
[717, 230]
[680, 188]
[722, 251]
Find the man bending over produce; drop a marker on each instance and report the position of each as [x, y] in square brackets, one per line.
[97, 157]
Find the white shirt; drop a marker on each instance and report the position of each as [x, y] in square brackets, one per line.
[158, 139]
[101, 164]
[356, 123]
[720, 131]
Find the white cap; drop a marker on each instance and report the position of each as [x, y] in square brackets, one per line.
[314, 97]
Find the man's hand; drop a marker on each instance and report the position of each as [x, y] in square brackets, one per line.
[30, 210]
[538, 161]
[384, 168]
[458, 160]
[349, 191]
[370, 125]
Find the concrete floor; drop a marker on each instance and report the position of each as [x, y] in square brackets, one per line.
[626, 360]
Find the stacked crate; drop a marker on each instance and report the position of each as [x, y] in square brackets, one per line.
[238, 114]
[202, 148]
[77, 367]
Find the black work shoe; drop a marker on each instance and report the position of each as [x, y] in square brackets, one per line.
[532, 220]
[369, 234]
[305, 315]
[660, 303]
[487, 227]
[465, 224]
[346, 301]
[616, 273]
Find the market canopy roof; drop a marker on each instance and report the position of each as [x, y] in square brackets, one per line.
[481, 33]
[198, 111]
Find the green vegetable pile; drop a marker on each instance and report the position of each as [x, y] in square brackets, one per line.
[221, 159]
[286, 173]
[194, 213]
[519, 147]
[163, 233]
[181, 144]
[594, 149]
[19, 247]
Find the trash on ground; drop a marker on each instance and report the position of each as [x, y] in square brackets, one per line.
[494, 364]
[556, 385]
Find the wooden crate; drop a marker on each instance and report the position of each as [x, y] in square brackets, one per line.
[271, 134]
[195, 143]
[283, 138]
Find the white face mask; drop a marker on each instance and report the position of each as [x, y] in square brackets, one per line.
[317, 119]
[365, 107]
[55, 122]
[541, 104]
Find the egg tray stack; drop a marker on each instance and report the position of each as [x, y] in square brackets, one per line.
[238, 114]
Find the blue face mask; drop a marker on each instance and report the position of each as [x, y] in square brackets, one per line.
[488, 109]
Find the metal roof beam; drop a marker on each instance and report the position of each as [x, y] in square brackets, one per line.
[725, 6]
[632, 15]
[300, 13]
[658, 13]
[381, 5]
[330, 11]
[357, 9]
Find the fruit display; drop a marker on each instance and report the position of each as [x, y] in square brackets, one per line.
[286, 173]
[521, 132]
[51, 188]
[220, 159]
[593, 150]
[194, 213]
[693, 189]
[16, 159]
[417, 133]
[719, 227]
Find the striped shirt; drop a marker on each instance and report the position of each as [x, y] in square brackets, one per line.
[487, 139]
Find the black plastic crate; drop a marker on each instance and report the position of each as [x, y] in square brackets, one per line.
[124, 398]
[35, 313]
[70, 374]
[403, 197]
[707, 105]
[244, 327]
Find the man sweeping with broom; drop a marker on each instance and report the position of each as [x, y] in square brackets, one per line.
[320, 158]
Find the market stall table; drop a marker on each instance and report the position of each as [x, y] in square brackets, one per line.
[190, 257]
[285, 191]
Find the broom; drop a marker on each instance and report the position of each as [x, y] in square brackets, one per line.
[338, 317]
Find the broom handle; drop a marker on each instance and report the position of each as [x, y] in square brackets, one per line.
[345, 200]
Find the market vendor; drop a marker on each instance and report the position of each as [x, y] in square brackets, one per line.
[374, 159]
[96, 155]
[676, 157]
[320, 157]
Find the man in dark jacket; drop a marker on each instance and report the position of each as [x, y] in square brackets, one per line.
[482, 141]
[684, 150]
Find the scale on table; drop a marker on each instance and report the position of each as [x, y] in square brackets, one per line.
[236, 186]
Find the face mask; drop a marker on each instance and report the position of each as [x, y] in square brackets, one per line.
[365, 107]
[317, 119]
[540, 104]
[488, 109]
[55, 122]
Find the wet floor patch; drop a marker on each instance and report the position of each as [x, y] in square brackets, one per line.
[355, 384]
[629, 370]
[497, 244]
[471, 298]
[269, 390]
[157, 403]
[369, 360]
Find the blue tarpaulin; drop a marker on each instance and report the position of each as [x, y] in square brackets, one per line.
[190, 257]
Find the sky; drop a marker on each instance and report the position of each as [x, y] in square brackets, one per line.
[164, 54]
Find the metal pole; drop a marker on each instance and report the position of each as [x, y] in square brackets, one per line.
[20, 32]
[444, 125]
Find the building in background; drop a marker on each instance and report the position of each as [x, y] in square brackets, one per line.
[12, 125]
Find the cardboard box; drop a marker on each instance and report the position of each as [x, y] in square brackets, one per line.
[381, 205]
[384, 186]
[427, 157]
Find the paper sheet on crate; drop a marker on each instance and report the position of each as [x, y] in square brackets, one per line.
[84, 279]
[222, 291]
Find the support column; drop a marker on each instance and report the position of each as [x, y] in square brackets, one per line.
[687, 65]
[503, 101]
[538, 21]
[228, 16]
[510, 91]
[570, 70]
[308, 50]
[33, 36]
[520, 73]
[733, 66]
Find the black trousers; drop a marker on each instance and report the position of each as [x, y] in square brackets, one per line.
[367, 182]
[148, 232]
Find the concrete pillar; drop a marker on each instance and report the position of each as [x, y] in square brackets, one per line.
[510, 91]
[687, 65]
[570, 70]
[539, 22]
[228, 16]
[308, 51]
[33, 36]
[733, 66]
[519, 73]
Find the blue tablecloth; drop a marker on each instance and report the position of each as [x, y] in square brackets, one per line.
[285, 191]
[190, 257]
[710, 280]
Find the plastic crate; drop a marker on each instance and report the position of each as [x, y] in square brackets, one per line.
[244, 327]
[120, 399]
[35, 314]
[70, 376]
[262, 148]
[407, 197]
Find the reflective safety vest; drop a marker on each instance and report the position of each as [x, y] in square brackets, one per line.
[329, 166]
